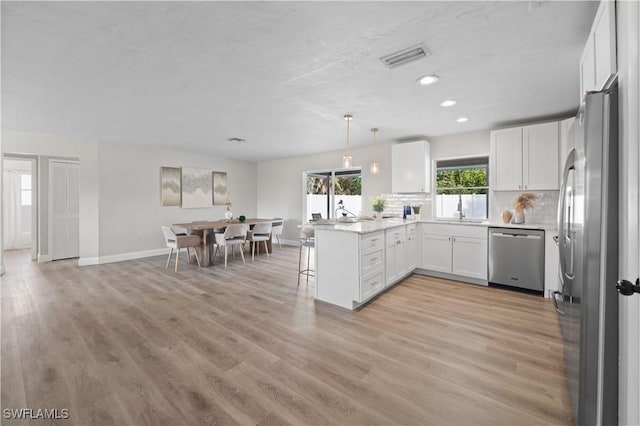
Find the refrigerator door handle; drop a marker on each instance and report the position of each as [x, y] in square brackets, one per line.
[565, 246]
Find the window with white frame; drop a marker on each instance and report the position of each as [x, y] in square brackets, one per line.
[462, 188]
[333, 193]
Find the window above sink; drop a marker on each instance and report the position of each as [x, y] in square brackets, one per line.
[462, 189]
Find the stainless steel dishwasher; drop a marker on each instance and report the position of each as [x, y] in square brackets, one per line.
[516, 258]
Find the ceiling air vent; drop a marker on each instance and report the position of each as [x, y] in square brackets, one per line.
[406, 56]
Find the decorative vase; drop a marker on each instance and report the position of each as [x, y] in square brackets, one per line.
[228, 215]
[518, 217]
[506, 216]
[378, 215]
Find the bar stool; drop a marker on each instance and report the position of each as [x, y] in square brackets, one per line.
[307, 239]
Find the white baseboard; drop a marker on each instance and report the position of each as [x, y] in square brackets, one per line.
[288, 242]
[85, 261]
[42, 258]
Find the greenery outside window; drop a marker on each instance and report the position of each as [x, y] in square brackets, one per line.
[462, 183]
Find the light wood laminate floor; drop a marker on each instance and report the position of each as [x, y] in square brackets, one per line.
[130, 343]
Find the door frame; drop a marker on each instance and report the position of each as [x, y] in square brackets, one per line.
[35, 209]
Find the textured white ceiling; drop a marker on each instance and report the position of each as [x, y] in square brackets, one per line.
[190, 75]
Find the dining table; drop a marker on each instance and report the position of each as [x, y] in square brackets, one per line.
[205, 226]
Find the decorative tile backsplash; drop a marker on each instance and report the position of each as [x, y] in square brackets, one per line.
[396, 202]
[545, 210]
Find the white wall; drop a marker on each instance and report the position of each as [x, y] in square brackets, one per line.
[48, 146]
[131, 212]
[280, 186]
[461, 144]
[120, 207]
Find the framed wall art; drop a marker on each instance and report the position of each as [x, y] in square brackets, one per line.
[196, 188]
[220, 189]
[170, 186]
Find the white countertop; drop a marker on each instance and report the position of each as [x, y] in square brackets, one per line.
[367, 226]
[362, 227]
[499, 224]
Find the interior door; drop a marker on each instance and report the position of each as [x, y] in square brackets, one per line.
[64, 209]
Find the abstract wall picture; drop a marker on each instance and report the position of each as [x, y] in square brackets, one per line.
[196, 188]
[220, 189]
[170, 185]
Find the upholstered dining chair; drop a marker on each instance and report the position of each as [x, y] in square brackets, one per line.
[307, 239]
[178, 242]
[276, 230]
[260, 232]
[234, 235]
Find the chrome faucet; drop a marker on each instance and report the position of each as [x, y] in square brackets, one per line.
[460, 213]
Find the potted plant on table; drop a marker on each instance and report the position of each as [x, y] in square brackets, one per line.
[378, 205]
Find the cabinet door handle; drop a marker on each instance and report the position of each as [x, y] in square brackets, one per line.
[373, 259]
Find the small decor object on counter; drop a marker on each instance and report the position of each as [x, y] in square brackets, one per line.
[377, 204]
[524, 201]
[406, 212]
[242, 218]
[416, 210]
[506, 216]
[228, 215]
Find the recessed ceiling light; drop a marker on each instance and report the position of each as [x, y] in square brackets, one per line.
[462, 119]
[449, 102]
[428, 79]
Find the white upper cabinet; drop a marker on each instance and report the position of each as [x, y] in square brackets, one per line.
[505, 172]
[540, 156]
[521, 158]
[411, 167]
[598, 59]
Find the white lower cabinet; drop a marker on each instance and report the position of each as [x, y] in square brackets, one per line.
[469, 257]
[412, 248]
[395, 254]
[351, 268]
[459, 250]
[436, 252]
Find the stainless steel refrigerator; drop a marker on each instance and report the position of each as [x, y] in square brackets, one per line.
[588, 245]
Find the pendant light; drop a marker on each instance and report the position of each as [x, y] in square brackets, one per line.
[375, 166]
[346, 158]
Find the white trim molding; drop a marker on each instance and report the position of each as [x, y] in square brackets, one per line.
[42, 258]
[85, 261]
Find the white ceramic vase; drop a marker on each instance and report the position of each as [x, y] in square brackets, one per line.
[518, 217]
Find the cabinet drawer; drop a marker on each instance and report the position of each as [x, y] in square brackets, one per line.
[374, 239]
[371, 285]
[395, 234]
[411, 229]
[371, 260]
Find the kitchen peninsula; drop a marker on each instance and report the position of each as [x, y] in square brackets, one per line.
[357, 261]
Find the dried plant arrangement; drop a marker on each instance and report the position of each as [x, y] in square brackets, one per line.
[524, 201]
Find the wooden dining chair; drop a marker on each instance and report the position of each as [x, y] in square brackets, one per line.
[177, 242]
[260, 232]
[234, 235]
